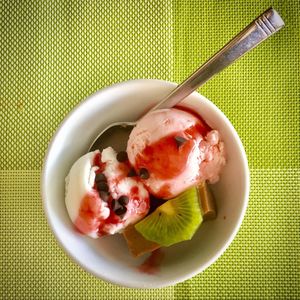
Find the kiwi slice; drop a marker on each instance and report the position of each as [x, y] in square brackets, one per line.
[174, 221]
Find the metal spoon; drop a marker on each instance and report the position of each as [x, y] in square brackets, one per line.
[116, 134]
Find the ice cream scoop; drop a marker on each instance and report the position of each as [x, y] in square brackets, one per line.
[172, 150]
[100, 197]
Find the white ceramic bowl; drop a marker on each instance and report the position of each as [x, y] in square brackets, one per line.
[108, 258]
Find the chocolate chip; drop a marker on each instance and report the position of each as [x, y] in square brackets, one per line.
[122, 156]
[143, 173]
[131, 173]
[104, 195]
[179, 140]
[102, 186]
[123, 200]
[121, 211]
[100, 177]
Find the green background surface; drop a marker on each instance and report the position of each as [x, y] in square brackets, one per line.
[53, 54]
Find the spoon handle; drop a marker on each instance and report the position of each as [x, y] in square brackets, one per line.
[259, 30]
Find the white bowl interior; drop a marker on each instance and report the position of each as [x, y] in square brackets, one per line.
[108, 257]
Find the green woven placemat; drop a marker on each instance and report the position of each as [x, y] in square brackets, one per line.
[56, 53]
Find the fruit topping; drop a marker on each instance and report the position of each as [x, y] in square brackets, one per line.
[174, 221]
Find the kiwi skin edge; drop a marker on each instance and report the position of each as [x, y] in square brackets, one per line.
[207, 202]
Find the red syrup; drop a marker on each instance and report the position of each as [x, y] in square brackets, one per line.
[97, 162]
[164, 191]
[87, 222]
[164, 159]
[152, 264]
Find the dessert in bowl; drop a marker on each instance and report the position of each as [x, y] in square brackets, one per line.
[108, 257]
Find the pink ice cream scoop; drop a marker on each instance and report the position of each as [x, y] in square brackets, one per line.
[100, 197]
[173, 149]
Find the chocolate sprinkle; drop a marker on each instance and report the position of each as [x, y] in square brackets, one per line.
[122, 156]
[143, 173]
[100, 177]
[121, 211]
[179, 140]
[104, 196]
[102, 186]
[132, 173]
[123, 200]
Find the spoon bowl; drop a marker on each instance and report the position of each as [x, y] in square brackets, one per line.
[116, 136]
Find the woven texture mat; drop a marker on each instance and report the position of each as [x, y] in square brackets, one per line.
[56, 53]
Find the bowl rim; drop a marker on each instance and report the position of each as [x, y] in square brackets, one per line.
[124, 283]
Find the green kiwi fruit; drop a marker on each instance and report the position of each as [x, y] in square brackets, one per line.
[174, 221]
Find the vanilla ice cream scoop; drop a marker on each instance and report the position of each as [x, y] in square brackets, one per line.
[100, 197]
[173, 149]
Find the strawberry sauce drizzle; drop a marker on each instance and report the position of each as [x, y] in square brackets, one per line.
[87, 220]
[164, 159]
[164, 191]
[97, 162]
[152, 264]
